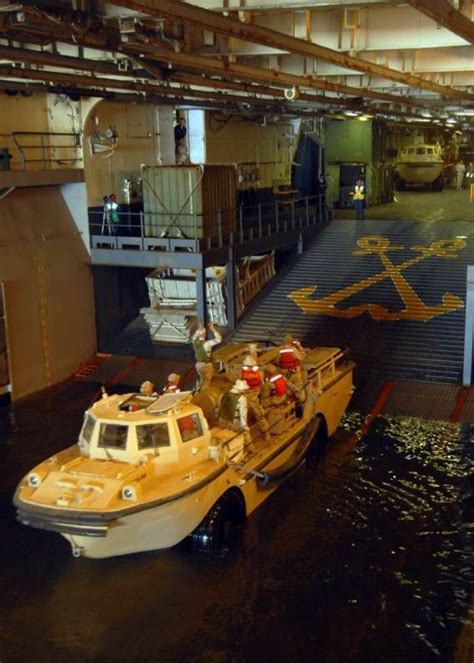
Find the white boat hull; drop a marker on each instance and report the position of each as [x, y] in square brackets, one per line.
[419, 173]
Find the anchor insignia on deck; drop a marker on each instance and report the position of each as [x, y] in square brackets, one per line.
[415, 308]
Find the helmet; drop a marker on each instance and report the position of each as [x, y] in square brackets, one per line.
[147, 388]
[174, 378]
[288, 338]
[249, 360]
[240, 385]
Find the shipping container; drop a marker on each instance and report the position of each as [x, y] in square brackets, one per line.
[194, 201]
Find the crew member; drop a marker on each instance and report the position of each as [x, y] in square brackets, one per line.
[278, 384]
[113, 213]
[358, 196]
[147, 388]
[233, 409]
[291, 354]
[202, 347]
[252, 374]
[180, 130]
[460, 170]
[172, 387]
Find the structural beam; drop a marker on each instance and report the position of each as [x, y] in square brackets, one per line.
[446, 15]
[208, 20]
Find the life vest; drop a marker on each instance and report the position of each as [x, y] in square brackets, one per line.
[199, 351]
[359, 192]
[171, 389]
[288, 357]
[228, 406]
[252, 375]
[279, 383]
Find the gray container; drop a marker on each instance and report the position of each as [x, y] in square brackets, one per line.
[196, 201]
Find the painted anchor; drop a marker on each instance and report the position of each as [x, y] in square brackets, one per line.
[415, 308]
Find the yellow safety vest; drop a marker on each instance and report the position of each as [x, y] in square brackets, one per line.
[359, 193]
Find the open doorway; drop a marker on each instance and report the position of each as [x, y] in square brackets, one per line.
[5, 384]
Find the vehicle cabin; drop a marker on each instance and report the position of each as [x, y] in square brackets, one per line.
[139, 428]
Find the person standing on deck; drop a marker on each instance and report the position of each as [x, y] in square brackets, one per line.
[358, 196]
[202, 347]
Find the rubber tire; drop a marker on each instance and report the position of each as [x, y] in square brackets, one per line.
[218, 530]
[400, 185]
[318, 444]
[438, 184]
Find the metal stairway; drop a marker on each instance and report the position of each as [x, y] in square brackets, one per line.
[430, 350]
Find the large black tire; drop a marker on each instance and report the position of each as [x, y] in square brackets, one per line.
[218, 530]
[319, 442]
[400, 185]
[438, 184]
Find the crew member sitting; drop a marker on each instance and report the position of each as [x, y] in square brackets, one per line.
[291, 354]
[172, 387]
[233, 409]
[147, 388]
[202, 347]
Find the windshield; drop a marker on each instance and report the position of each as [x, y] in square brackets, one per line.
[87, 428]
[153, 436]
[113, 436]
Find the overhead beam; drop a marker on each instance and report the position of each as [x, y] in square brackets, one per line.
[272, 76]
[209, 20]
[446, 15]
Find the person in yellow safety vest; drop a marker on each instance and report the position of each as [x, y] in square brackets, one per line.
[173, 384]
[290, 354]
[202, 347]
[358, 197]
[233, 409]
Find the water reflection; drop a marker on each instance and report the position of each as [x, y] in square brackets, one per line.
[364, 557]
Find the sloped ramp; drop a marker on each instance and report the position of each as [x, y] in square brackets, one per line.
[400, 297]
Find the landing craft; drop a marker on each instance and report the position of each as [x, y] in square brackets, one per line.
[149, 472]
[420, 165]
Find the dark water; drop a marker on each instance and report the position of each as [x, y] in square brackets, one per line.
[366, 557]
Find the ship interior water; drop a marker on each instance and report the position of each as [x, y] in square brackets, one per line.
[164, 163]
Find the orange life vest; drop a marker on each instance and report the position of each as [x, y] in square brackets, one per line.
[279, 383]
[252, 375]
[288, 357]
[171, 389]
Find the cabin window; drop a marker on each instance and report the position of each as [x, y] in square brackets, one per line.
[87, 428]
[429, 150]
[153, 436]
[420, 150]
[113, 436]
[190, 427]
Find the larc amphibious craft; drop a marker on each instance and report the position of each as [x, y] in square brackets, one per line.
[420, 164]
[149, 472]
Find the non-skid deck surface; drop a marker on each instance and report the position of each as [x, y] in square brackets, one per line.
[407, 322]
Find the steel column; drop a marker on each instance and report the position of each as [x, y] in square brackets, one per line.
[201, 295]
[231, 294]
[469, 328]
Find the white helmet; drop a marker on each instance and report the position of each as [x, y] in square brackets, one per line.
[249, 360]
[241, 385]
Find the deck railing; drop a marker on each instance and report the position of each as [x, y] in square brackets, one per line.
[201, 232]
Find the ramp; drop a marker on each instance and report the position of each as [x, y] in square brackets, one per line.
[392, 291]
